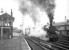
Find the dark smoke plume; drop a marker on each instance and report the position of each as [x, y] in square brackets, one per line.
[48, 6]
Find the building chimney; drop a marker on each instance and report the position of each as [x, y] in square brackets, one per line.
[11, 13]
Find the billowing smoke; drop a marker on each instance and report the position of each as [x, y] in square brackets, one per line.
[31, 6]
[38, 10]
[47, 5]
[27, 7]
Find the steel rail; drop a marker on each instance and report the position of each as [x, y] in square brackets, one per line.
[53, 44]
[38, 44]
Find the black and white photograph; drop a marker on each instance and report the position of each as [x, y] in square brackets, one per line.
[34, 24]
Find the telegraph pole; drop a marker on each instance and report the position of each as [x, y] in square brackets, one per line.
[65, 22]
[66, 26]
[11, 25]
[2, 25]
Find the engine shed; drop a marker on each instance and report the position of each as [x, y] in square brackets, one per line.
[6, 26]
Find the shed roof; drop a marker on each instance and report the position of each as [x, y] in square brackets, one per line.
[61, 24]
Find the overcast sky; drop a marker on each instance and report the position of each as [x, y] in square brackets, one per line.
[61, 10]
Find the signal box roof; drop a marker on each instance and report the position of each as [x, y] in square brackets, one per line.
[6, 17]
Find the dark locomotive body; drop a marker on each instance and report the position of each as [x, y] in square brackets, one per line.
[52, 33]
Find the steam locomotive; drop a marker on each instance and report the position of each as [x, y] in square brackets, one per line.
[52, 33]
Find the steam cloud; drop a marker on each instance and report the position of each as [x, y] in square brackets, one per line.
[28, 6]
[38, 11]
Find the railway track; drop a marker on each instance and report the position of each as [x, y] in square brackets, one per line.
[52, 45]
[42, 47]
[64, 44]
[33, 46]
